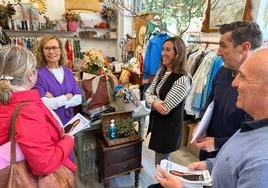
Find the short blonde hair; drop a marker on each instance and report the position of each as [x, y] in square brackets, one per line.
[39, 51]
[17, 63]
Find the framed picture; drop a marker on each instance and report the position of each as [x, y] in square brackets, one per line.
[225, 11]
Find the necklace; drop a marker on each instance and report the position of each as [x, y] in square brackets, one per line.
[53, 66]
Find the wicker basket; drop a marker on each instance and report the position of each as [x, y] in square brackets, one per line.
[116, 116]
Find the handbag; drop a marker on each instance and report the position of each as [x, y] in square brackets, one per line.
[5, 154]
[19, 175]
[97, 92]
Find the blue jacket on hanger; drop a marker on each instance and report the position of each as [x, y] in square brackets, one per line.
[153, 54]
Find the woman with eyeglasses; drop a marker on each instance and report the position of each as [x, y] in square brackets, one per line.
[55, 82]
[41, 140]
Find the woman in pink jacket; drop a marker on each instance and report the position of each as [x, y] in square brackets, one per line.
[39, 135]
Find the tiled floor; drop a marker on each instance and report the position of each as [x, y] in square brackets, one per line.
[182, 156]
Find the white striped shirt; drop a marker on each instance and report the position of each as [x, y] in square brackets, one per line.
[176, 94]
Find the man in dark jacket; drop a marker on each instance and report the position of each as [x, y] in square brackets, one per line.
[237, 41]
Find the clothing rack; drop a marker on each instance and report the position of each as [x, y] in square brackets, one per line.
[265, 44]
[4, 39]
[203, 42]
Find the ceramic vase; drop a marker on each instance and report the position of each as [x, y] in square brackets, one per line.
[72, 26]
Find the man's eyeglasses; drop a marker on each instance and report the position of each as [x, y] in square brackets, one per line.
[53, 48]
[242, 77]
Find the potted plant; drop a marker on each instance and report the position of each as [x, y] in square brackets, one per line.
[125, 128]
[6, 12]
[109, 14]
[72, 18]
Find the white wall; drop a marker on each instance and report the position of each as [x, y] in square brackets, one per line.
[128, 20]
[109, 47]
[124, 26]
[55, 9]
[262, 18]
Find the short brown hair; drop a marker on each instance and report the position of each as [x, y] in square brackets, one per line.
[243, 31]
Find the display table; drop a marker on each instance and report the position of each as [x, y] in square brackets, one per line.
[117, 160]
[85, 143]
[137, 116]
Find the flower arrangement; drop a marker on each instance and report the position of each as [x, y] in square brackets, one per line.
[93, 61]
[108, 13]
[71, 16]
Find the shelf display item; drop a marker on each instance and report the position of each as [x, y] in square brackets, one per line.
[112, 130]
[124, 125]
[41, 5]
[72, 26]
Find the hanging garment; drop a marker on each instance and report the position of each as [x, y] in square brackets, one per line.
[153, 55]
[69, 50]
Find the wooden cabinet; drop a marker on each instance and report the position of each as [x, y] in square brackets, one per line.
[117, 160]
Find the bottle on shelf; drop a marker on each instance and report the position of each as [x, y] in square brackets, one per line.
[112, 130]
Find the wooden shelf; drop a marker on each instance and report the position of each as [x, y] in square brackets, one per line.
[97, 38]
[97, 29]
[62, 34]
[24, 33]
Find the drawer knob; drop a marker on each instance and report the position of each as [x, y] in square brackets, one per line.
[125, 166]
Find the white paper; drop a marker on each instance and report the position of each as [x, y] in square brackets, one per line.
[168, 165]
[202, 127]
[83, 124]
[117, 67]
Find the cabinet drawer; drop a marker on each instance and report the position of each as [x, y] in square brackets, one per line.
[122, 154]
[125, 166]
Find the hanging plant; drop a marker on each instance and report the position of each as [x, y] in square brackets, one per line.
[6, 11]
[108, 13]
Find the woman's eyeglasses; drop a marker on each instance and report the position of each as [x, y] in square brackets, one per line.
[53, 48]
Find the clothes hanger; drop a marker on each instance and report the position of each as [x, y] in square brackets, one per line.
[156, 31]
[156, 20]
